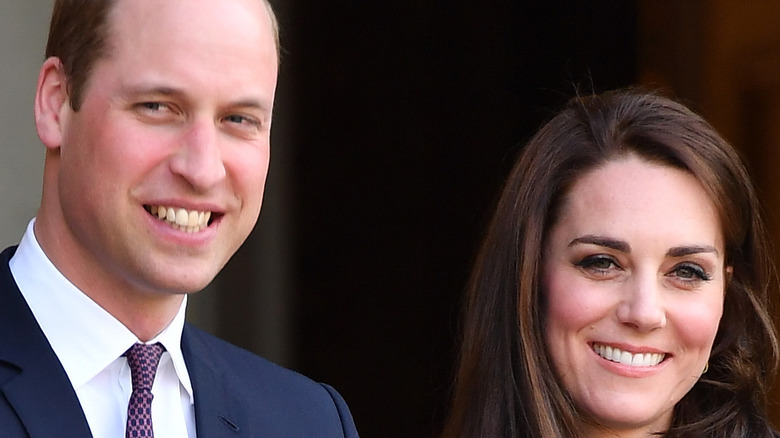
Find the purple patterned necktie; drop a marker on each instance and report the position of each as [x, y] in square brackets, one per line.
[143, 360]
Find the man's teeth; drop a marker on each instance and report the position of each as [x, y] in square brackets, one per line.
[190, 221]
[626, 358]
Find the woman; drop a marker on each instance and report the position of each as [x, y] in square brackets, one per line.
[622, 286]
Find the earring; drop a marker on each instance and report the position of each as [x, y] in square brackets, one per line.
[706, 367]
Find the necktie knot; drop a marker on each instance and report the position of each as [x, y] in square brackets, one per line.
[143, 360]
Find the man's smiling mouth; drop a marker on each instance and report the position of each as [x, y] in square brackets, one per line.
[190, 221]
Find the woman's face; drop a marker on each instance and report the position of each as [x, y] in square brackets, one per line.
[634, 286]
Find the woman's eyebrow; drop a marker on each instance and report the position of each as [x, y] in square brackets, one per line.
[607, 242]
[682, 251]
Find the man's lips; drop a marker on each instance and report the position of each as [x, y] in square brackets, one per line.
[190, 221]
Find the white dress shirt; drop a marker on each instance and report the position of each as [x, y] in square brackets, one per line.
[89, 343]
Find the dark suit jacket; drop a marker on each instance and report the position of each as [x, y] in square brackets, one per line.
[237, 394]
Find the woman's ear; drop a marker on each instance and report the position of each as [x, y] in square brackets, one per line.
[51, 98]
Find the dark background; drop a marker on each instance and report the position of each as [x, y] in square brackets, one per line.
[404, 119]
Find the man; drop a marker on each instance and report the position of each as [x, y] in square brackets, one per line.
[155, 115]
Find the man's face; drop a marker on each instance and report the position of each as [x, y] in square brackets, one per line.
[160, 174]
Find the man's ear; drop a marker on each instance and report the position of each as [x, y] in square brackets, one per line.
[51, 98]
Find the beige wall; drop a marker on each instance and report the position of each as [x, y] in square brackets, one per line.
[723, 57]
[23, 28]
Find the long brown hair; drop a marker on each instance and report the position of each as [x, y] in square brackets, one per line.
[505, 385]
[78, 36]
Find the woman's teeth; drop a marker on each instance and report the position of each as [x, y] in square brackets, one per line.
[626, 358]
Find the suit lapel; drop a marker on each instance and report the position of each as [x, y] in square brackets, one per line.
[216, 413]
[31, 377]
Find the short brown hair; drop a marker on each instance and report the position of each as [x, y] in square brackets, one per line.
[78, 36]
[506, 384]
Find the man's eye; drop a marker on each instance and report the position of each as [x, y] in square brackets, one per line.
[241, 120]
[156, 112]
[152, 106]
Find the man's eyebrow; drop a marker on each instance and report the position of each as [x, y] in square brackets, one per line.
[254, 103]
[682, 251]
[152, 90]
[607, 242]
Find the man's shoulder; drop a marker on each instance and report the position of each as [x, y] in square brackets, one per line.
[250, 369]
[274, 400]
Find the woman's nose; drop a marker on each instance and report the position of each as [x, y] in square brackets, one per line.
[642, 306]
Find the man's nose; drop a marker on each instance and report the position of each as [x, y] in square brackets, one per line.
[199, 157]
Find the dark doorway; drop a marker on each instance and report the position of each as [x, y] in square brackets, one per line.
[405, 118]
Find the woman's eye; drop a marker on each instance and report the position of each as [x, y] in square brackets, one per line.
[598, 263]
[690, 272]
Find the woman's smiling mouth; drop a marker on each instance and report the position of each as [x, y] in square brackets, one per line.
[624, 357]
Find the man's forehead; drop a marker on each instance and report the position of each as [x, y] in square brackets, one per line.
[242, 19]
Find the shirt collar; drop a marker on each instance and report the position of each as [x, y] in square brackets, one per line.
[65, 314]
[170, 338]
